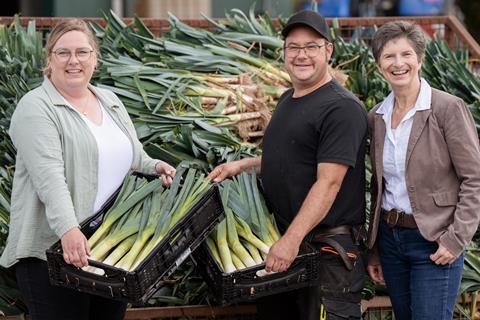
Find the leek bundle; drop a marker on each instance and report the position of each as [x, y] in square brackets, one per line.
[245, 236]
[143, 214]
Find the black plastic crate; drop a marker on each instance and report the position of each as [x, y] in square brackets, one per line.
[139, 285]
[244, 285]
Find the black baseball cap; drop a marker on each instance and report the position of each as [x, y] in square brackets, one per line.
[310, 19]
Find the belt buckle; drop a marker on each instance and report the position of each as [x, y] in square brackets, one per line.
[396, 216]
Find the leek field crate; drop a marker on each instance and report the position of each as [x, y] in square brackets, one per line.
[250, 283]
[138, 285]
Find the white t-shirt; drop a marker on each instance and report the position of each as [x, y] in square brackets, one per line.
[115, 156]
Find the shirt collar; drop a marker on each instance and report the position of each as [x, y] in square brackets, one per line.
[423, 102]
[424, 99]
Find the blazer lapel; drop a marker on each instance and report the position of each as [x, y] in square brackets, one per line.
[379, 142]
[419, 121]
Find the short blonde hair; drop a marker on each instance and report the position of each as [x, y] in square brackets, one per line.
[63, 27]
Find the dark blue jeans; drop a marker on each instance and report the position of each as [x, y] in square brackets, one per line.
[47, 302]
[418, 288]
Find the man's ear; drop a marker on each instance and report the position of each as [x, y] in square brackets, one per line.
[329, 50]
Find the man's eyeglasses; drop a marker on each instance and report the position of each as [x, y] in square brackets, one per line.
[82, 54]
[311, 50]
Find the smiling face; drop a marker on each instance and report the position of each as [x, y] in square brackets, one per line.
[399, 64]
[307, 71]
[70, 74]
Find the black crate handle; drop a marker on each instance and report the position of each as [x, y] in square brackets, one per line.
[109, 271]
[77, 279]
[112, 289]
[72, 271]
[272, 281]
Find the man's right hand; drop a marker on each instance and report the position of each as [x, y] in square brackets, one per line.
[225, 171]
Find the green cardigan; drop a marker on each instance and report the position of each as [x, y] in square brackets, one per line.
[56, 169]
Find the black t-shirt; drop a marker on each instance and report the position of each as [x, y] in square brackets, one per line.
[329, 125]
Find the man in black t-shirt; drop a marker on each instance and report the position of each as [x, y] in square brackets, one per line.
[313, 176]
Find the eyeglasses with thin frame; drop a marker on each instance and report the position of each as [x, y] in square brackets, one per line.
[64, 55]
[311, 50]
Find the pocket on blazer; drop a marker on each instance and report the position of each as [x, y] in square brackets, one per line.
[445, 199]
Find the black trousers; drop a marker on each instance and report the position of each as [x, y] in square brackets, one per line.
[337, 297]
[47, 302]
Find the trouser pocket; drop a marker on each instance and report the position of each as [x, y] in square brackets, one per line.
[334, 276]
[339, 289]
[335, 279]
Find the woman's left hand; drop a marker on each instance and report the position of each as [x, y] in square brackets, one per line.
[442, 256]
[166, 172]
[375, 272]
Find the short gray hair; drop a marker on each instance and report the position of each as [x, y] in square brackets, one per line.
[395, 30]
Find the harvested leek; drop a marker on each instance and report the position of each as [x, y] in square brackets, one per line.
[142, 216]
[244, 238]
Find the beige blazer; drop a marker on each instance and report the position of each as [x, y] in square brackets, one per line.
[442, 172]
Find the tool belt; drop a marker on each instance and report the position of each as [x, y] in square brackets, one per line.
[395, 218]
[325, 236]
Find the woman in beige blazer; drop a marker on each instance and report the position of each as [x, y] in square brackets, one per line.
[426, 181]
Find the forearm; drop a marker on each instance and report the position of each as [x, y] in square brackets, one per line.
[373, 255]
[248, 164]
[314, 209]
[147, 165]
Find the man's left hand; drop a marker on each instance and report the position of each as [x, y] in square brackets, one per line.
[281, 254]
[442, 256]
